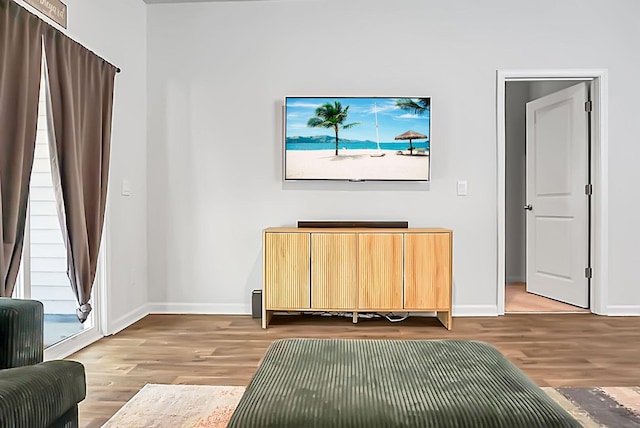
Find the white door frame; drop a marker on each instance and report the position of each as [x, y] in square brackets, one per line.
[599, 174]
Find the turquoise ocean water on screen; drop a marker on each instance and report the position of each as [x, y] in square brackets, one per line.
[357, 145]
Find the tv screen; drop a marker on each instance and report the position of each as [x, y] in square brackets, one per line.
[357, 138]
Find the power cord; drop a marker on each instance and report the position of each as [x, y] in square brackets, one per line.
[397, 319]
[365, 315]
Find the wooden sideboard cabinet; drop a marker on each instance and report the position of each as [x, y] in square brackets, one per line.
[357, 270]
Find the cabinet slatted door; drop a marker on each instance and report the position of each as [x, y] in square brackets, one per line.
[333, 271]
[286, 273]
[380, 271]
[427, 272]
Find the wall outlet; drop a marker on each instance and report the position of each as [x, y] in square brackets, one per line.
[126, 188]
[462, 188]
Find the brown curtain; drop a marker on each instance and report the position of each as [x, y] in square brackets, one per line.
[20, 62]
[81, 101]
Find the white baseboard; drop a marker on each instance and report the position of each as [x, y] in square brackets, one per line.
[71, 345]
[200, 308]
[475, 310]
[514, 279]
[623, 310]
[128, 319]
[423, 314]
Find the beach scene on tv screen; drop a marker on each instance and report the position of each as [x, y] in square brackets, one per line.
[357, 138]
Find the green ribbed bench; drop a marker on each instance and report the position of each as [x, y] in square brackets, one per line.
[392, 383]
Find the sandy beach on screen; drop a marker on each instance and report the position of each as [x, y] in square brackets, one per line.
[355, 164]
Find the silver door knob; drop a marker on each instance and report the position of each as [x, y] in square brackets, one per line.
[528, 207]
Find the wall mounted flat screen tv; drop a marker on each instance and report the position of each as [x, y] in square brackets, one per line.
[357, 138]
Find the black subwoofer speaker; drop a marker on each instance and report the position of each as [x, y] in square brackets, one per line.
[256, 304]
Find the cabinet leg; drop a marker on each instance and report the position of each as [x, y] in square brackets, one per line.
[266, 318]
[355, 318]
[445, 318]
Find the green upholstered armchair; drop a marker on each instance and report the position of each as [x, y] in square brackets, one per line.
[34, 394]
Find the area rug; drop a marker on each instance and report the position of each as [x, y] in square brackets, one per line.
[177, 406]
[609, 407]
[204, 406]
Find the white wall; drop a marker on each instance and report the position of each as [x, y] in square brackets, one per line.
[546, 87]
[218, 73]
[116, 30]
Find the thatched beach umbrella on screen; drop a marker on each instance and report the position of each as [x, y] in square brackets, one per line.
[411, 135]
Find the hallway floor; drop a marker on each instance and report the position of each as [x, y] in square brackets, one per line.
[518, 300]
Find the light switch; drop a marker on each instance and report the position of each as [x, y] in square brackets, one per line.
[462, 188]
[126, 188]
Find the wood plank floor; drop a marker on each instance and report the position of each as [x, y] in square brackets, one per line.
[553, 349]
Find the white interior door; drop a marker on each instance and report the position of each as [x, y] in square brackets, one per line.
[557, 203]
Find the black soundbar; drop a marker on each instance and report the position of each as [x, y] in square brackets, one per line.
[355, 224]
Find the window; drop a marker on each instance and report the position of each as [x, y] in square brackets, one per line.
[44, 262]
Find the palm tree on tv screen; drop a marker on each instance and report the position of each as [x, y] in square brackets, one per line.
[414, 105]
[331, 116]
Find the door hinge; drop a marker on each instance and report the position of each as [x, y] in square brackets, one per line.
[588, 189]
[588, 106]
[588, 272]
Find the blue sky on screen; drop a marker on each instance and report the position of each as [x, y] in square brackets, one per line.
[392, 121]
